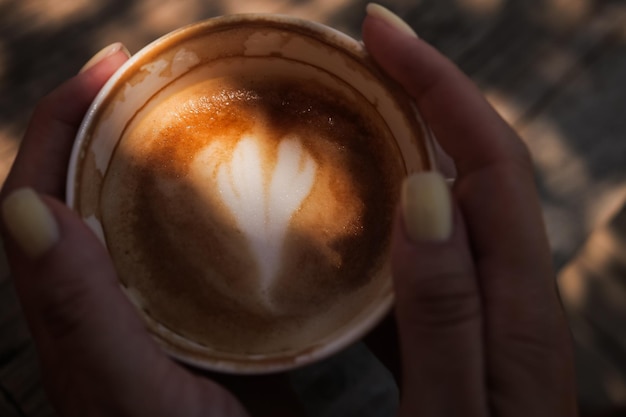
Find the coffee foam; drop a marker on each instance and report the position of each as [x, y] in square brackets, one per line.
[250, 215]
[262, 207]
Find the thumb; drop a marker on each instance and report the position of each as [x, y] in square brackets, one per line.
[437, 304]
[64, 277]
[83, 324]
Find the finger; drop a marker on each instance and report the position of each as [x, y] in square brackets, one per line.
[81, 321]
[43, 156]
[446, 98]
[438, 305]
[527, 345]
[492, 162]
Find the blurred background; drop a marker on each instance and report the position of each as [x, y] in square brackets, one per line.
[555, 69]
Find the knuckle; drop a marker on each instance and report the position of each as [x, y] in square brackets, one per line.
[443, 300]
[63, 308]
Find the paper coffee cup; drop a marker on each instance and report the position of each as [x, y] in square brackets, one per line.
[210, 70]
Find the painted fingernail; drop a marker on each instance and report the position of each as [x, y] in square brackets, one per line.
[427, 207]
[392, 19]
[105, 52]
[30, 222]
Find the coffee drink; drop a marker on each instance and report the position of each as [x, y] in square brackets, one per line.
[252, 213]
[243, 174]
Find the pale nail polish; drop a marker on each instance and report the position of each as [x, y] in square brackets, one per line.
[30, 222]
[105, 52]
[427, 207]
[392, 19]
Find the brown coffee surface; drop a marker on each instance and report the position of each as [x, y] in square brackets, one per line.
[252, 214]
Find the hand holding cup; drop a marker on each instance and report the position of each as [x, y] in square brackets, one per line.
[481, 329]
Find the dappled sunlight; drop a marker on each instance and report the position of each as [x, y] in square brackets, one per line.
[253, 6]
[573, 287]
[555, 64]
[319, 10]
[595, 277]
[587, 203]
[481, 8]
[619, 14]
[563, 169]
[562, 226]
[164, 16]
[555, 159]
[8, 149]
[602, 258]
[593, 291]
[505, 105]
[564, 14]
[134, 37]
[574, 202]
[151, 19]
[614, 17]
[8, 141]
[610, 198]
[54, 12]
[615, 387]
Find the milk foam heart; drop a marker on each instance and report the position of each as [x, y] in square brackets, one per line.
[262, 206]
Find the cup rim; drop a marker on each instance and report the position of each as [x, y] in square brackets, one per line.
[326, 34]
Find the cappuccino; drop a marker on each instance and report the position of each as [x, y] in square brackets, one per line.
[251, 213]
[243, 173]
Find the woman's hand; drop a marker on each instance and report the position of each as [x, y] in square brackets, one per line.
[97, 359]
[482, 331]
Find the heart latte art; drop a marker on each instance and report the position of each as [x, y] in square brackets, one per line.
[252, 214]
[262, 209]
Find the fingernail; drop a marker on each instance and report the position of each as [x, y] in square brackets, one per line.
[427, 207]
[105, 52]
[392, 19]
[30, 222]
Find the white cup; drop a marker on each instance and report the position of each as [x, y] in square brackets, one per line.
[306, 47]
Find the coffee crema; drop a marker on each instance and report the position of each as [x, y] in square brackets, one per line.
[251, 213]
